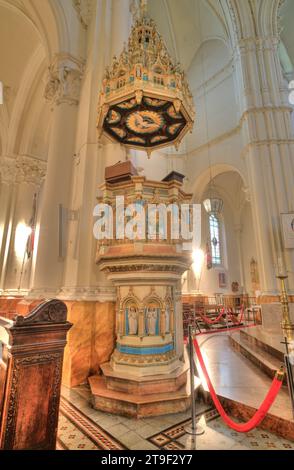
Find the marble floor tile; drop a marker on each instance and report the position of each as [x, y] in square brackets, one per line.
[118, 430]
[146, 431]
[143, 445]
[130, 439]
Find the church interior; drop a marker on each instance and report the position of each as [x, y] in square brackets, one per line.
[134, 340]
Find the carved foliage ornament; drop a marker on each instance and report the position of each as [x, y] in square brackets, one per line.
[84, 11]
[22, 169]
[53, 311]
[64, 80]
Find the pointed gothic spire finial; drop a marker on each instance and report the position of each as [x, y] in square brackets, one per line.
[142, 8]
[138, 9]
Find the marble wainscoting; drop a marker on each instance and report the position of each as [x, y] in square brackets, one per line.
[272, 315]
[91, 340]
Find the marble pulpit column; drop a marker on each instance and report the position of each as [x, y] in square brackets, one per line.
[62, 90]
[265, 118]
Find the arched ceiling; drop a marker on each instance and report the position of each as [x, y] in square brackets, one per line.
[31, 33]
[185, 25]
[227, 184]
[195, 34]
[18, 41]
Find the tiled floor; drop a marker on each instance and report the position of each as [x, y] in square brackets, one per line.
[90, 429]
[217, 436]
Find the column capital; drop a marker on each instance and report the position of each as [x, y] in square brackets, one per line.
[8, 170]
[84, 11]
[64, 80]
[22, 169]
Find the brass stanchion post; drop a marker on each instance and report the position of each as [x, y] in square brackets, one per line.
[288, 333]
[194, 428]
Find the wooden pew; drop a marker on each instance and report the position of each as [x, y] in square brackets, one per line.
[30, 377]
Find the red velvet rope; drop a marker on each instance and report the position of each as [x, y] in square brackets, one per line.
[216, 320]
[233, 319]
[224, 330]
[260, 413]
[223, 313]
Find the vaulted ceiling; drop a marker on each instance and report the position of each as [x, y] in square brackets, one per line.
[194, 31]
[185, 25]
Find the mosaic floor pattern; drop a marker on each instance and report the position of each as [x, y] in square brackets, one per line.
[83, 428]
[217, 436]
[76, 431]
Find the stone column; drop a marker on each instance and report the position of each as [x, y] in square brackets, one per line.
[266, 132]
[62, 90]
[7, 207]
[24, 179]
[238, 233]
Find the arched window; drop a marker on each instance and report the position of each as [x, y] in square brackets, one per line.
[215, 242]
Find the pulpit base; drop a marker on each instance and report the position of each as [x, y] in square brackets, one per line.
[151, 396]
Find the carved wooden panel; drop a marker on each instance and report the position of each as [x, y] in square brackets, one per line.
[31, 383]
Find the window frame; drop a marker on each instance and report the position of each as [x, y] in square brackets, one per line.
[215, 230]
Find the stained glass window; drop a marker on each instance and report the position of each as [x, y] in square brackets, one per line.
[214, 227]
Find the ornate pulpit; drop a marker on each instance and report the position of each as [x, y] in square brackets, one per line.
[147, 373]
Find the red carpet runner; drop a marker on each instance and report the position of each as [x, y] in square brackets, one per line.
[260, 413]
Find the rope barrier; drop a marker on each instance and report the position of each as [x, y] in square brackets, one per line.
[233, 319]
[216, 320]
[260, 413]
[223, 312]
[224, 330]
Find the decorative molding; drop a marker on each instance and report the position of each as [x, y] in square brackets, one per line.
[236, 130]
[84, 11]
[278, 22]
[265, 143]
[22, 169]
[217, 140]
[42, 293]
[264, 109]
[249, 44]
[91, 294]
[64, 80]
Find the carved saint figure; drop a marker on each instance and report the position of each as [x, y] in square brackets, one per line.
[151, 320]
[133, 320]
